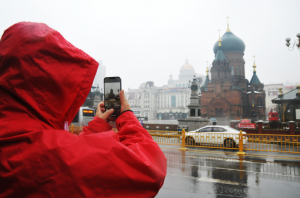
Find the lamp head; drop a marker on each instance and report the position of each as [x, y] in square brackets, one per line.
[288, 39]
[298, 35]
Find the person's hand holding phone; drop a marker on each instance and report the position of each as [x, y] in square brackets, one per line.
[101, 113]
[105, 115]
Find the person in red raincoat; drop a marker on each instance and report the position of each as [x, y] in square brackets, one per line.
[44, 80]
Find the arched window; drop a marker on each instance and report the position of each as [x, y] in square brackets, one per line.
[252, 102]
[179, 85]
[187, 84]
[259, 101]
[241, 71]
[232, 70]
[175, 85]
[182, 85]
[218, 73]
[237, 71]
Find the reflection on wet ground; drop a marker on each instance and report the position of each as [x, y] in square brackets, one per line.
[209, 173]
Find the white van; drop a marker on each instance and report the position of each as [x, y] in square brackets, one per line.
[83, 117]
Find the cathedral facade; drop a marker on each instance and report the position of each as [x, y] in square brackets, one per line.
[228, 95]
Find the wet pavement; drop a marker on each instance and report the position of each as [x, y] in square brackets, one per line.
[201, 172]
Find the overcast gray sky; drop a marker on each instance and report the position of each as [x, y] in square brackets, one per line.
[147, 40]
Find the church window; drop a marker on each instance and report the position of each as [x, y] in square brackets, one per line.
[232, 70]
[237, 70]
[259, 101]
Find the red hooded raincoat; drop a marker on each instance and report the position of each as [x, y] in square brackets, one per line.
[43, 81]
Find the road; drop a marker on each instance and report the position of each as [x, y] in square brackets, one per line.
[202, 172]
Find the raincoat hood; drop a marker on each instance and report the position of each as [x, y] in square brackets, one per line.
[43, 81]
[43, 78]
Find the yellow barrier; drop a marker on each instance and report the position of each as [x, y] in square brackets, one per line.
[241, 153]
[273, 143]
[183, 142]
[211, 140]
[75, 129]
[166, 137]
[240, 142]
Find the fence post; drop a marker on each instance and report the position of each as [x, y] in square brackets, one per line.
[183, 141]
[259, 126]
[72, 128]
[241, 153]
[292, 127]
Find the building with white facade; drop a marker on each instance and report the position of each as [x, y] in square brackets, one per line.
[100, 75]
[168, 102]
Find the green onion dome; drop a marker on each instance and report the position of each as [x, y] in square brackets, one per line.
[230, 43]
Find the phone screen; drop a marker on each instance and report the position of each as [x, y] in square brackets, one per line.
[112, 88]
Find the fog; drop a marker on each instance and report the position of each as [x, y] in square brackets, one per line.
[147, 40]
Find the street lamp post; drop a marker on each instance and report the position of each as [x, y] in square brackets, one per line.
[296, 42]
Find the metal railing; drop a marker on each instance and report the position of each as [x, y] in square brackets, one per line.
[273, 143]
[194, 139]
[241, 142]
[166, 137]
[75, 129]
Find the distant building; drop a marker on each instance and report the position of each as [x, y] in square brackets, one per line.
[186, 74]
[168, 102]
[100, 75]
[159, 103]
[228, 94]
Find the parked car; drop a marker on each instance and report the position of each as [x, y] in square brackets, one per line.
[215, 135]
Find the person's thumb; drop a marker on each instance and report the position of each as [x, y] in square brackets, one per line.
[106, 114]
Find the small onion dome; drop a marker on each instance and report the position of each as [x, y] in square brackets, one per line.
[230, 43]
